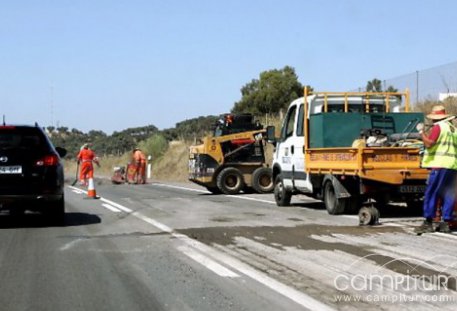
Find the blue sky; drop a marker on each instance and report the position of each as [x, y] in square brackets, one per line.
[110, 65]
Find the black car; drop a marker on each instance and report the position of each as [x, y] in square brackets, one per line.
[31, 172]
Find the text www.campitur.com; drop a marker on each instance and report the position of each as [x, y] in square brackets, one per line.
[394, 298]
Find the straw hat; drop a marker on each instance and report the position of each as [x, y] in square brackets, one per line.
[438, 113]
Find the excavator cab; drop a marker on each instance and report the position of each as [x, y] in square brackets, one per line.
[235, 123]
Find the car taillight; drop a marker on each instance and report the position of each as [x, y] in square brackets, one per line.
[49, 160]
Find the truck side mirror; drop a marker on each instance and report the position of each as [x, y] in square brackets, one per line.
[271, 134]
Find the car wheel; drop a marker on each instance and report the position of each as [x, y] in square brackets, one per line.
[262, 180]
[230, 180]
[281, 194]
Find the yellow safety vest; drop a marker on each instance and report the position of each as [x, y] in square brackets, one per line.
[444, 153]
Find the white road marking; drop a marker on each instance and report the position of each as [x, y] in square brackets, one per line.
[111, 208]
[250, 199]
[182, 188]
[207, 262]
[153, 222]
[77, 190]
[70, 244]
[121, 207]
[227, 195]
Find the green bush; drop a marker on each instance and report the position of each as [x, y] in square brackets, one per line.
[156, 145]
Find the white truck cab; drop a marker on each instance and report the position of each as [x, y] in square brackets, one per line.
[289, 172]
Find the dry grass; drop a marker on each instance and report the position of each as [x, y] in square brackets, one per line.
[173, 165]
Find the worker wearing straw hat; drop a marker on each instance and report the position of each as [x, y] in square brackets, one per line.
[441, 158]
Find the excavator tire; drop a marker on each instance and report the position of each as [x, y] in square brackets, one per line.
[262, 180]
[230, 180]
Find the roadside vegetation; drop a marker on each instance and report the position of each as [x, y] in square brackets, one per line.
[267, 97]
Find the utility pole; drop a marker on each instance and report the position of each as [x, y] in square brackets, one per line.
[52, 105]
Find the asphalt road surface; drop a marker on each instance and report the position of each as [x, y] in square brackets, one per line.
[166, 246]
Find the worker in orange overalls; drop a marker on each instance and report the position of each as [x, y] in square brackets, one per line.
[85, 158]
[139, 159]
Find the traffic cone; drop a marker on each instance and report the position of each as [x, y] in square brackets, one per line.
[91, 193]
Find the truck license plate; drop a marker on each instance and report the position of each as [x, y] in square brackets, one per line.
[412, 189]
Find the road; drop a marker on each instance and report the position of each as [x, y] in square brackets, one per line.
[165, 246]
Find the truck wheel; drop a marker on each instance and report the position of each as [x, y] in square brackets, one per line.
[333, 205]
[368, 216]
[230, 180]
[282, 195]
[262, 180]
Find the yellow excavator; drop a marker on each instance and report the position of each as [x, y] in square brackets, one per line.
[233, 158]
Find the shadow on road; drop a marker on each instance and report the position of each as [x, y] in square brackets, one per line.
[386, 211]
[36, 220]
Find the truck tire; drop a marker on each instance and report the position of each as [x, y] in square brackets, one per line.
[334, 205]
[262, 180]
[282, 195]
[230, 180]
[368, 216]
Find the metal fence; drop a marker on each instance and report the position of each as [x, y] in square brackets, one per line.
[431, 84]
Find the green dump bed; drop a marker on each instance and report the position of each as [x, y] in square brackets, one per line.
[340, 129]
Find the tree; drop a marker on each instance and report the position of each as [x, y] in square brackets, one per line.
[274, 90]
[374, 85]
[391, 89]
[155, 146]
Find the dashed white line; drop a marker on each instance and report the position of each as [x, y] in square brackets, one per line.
[153, 222]
[207, 262]
[111, 208]
[227, 195]
[121, 207]
[70, 244]
[250, 199]
[181, 188]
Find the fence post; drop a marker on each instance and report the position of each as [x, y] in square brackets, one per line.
[149, 166]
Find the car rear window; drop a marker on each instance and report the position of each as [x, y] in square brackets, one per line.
[22, 138]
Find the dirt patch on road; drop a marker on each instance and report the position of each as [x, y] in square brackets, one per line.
[299, 236]
[304, 237]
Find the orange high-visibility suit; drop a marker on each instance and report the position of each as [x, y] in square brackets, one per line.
[86, 157]
[139, 159]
